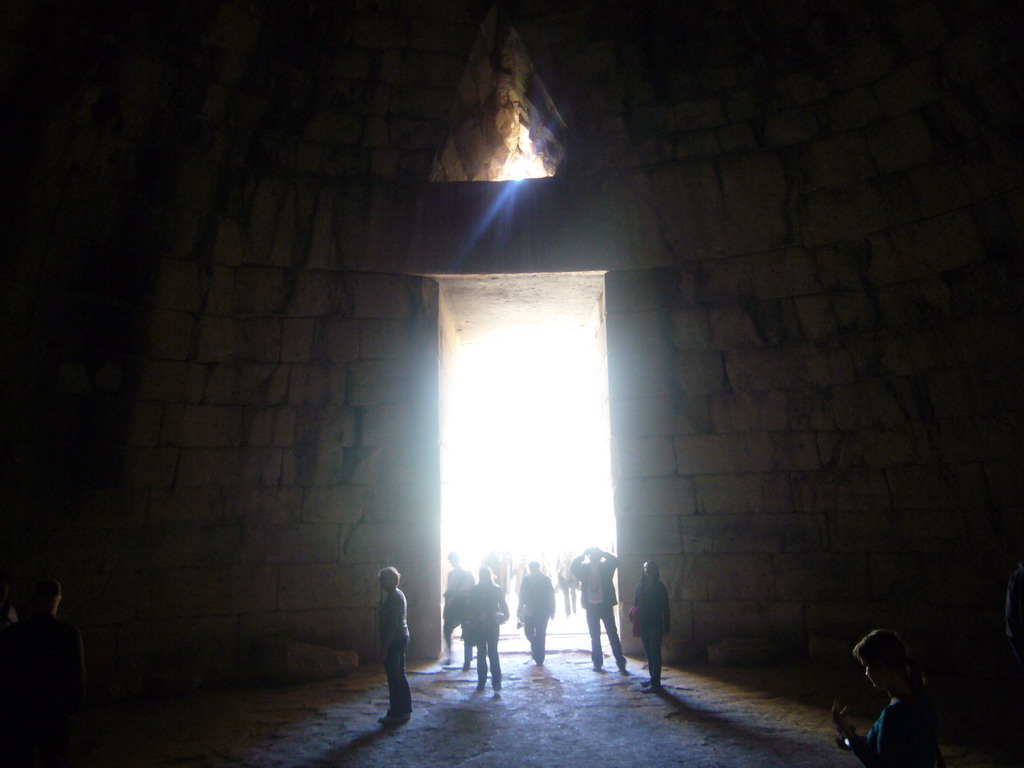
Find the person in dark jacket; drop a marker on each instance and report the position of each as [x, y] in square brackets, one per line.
[8, 615]
[394, 639]
[595, 569]
[536, 608]
[42, 684]
[488, 610]
[1015, 612]
[652, 603]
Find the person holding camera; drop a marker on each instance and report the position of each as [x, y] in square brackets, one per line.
[595, 569]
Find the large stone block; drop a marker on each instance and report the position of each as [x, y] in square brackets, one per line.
[170, 334]
[290, 661]
[644, 332]
[691, 328]
[835, 162]
[216, 339]
[212, 545]
[810, 408]
[386, 338]
[642, 417]
[688, 200]
[178, 286]
[639, 375]
[291, 542]
[791, 126]
[212, 590]
[175, 655]
[242, 466]
[717, 620]
[759, 370]
[939, 188]
[193, 505]
[379, 381]
[394, 541]
[901, 143]
[755, 412]
[333, 503]
[316, 383]
[350, 628]
[831, 215]
[820, 576]
[297, 336]
[924, 487]
[732, 327]
[144, 428]
[752, 533]
[739, 494]
[654, 535]
[403, 500]
[852, 109]
[327, 586]
[912, 86]
[202, 425]
[150, 467]
[643, 457]
[260, 291]
[275, 426]
[733, 576]
[868, 58]
[239, 383]
[281, 504]
[930, 530]
[718, 454]
[391, 296]
[862, 531]
[698, 372]
[642, 496]
[795, 451]
[756, 198]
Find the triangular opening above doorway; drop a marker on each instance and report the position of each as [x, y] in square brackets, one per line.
[504, 125]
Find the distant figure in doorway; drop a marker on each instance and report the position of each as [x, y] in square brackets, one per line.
[456, 608]
[904, 734]
[488, 610]
[1015, 612]
[568, 584]
[394, 639]
[42, 684]
[8, 615]
[536, 608]
[498, 564]
[652, 604]
[595, 569]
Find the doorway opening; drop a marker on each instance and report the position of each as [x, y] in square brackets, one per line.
[525, 465]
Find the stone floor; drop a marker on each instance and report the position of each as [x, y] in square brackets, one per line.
[561, 714]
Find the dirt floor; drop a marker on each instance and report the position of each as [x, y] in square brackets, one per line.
[561, 714]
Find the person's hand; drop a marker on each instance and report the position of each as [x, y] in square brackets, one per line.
[844, 731]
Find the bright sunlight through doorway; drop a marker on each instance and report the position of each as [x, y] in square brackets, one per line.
[526, 442]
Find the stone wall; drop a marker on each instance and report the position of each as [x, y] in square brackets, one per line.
[220, 379]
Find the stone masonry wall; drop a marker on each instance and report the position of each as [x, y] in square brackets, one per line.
[220, 373]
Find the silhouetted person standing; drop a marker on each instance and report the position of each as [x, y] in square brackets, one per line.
[42, 683]
[394, 639]
[595, 569]
[567, 584]
[536, 608]
[456, 608]
[1015, 612]
[488, 611]
[8, 615]
[652, 602]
